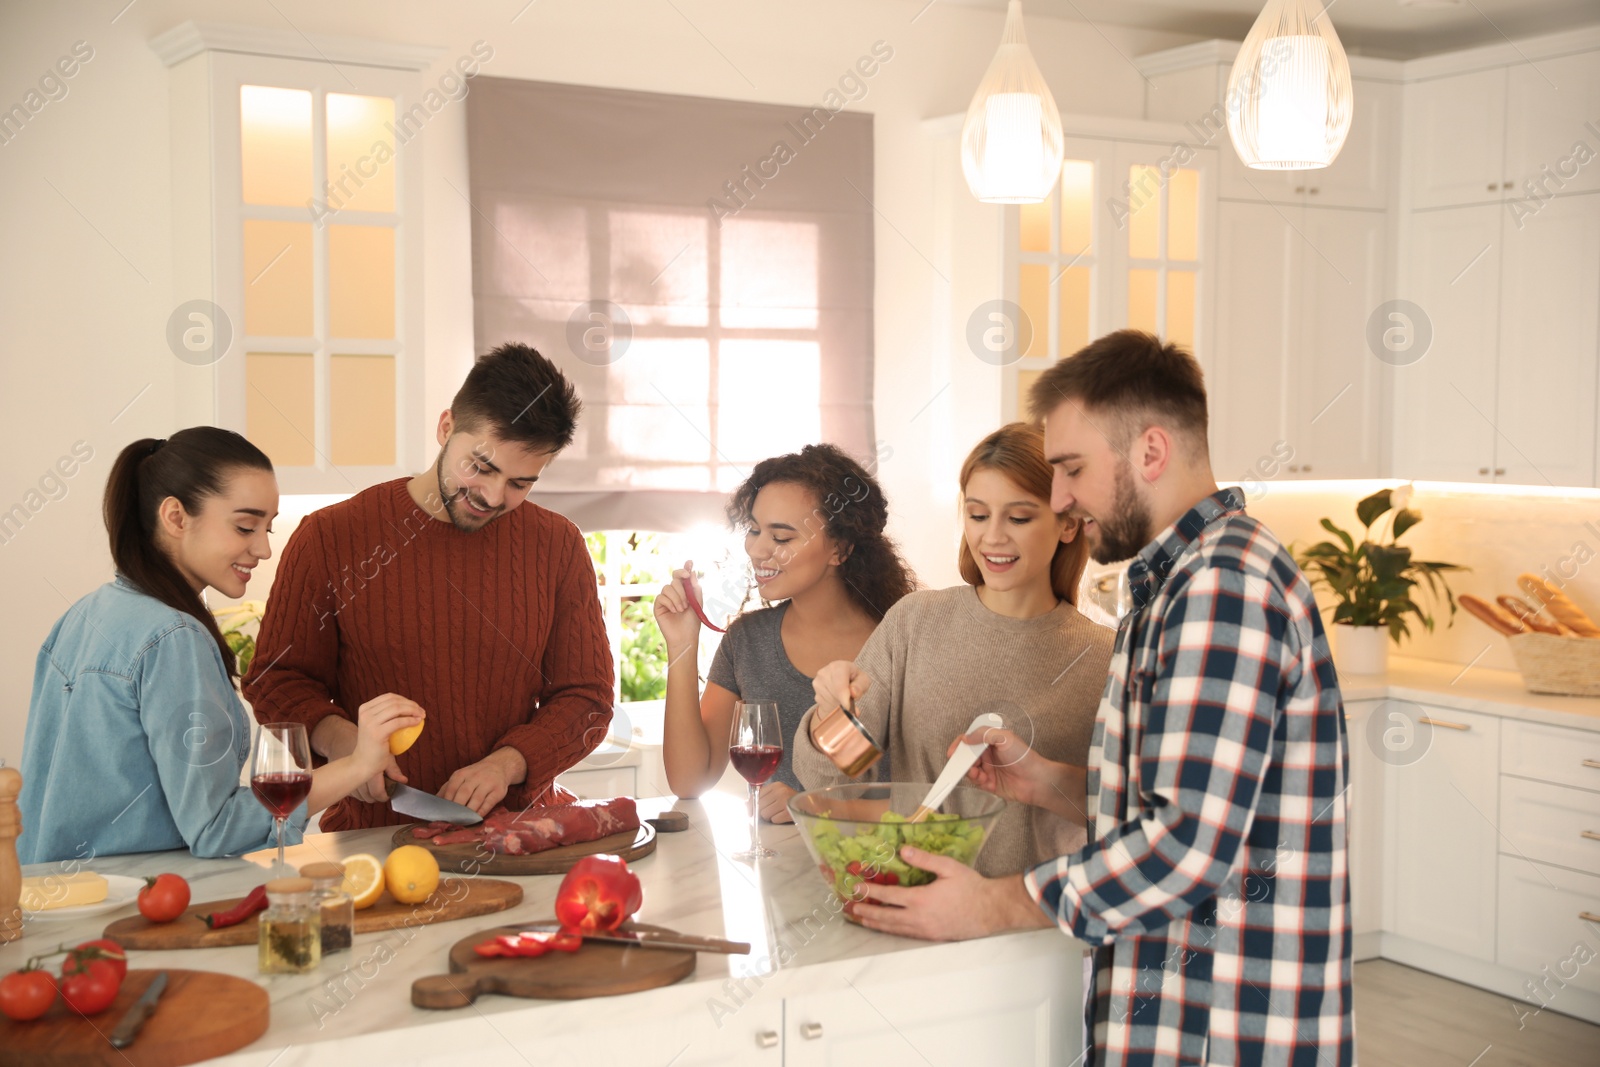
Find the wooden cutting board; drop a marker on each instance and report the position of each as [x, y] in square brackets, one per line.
[595, 970]
[456, 898]
[202, 1014]
[471, 856]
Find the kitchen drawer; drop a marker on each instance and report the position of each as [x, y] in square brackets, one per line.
[1551, 753]
[1549, 925]
[1544, 822]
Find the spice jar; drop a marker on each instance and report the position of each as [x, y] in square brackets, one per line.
[290, 928]
[338, 911]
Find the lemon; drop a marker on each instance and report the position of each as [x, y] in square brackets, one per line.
[363, 879]
[411, 873]
[401, 740]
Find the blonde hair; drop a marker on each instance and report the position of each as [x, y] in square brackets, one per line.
[1016, 450]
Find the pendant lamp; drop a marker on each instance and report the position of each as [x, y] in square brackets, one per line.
[1289, 93]
[1011, 142]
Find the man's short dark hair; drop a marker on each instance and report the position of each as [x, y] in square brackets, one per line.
[518, 395]
[1126, 382]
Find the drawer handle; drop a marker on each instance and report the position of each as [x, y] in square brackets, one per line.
[767, 1039]
[1445, 722]
[1589, 917]
[1595, 763]
[811, 1031]
[1590, 834]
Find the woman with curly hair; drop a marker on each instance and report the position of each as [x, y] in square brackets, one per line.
[814, 530]
[1010, 640]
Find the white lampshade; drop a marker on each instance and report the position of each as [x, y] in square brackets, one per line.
[1289, 94]
[1011, 143]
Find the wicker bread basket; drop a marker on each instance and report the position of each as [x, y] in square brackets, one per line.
[1567, 666]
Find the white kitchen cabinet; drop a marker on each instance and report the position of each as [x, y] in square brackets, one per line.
[1549, 930]
[1549, 344]
[1552, 106]
[1364, 806]
[1293, 377]
[1442, 824]
[1455, 134]
[1444, 402]
[1550, 824]
[996, 1014]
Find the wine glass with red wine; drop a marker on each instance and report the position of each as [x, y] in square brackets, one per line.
[280, 773]
[755, 748]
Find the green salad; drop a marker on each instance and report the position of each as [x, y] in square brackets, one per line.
[873, 853]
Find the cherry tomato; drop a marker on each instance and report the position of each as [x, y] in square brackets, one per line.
[92, 988]
[27, 995]
[163, 898]
[102, 948]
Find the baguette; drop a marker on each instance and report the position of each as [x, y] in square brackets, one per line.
[1494, 616]
[1559, 604]
[1530, 617]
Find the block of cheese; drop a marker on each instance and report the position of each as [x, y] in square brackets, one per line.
[46, 891]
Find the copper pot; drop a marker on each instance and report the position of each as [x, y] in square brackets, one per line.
[843, 739]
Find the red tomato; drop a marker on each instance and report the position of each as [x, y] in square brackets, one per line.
[163, 898]
[27, 995]
[104, 949]
[92, 988]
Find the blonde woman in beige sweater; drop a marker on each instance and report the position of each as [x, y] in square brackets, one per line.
[1010, 640]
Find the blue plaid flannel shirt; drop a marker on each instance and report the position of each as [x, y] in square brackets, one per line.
[1214, 887]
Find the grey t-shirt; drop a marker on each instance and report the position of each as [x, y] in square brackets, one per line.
[752, 665]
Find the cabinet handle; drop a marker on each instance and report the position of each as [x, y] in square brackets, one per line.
[1483, 470]
[1444, 722]
[811, 1031]
[1590, 834]
[1499, 470]
[1307, 468]
[1314, 190]
[1299, 188]
[1589, 917]
[1595, 763]
[766, 1038]
[1493, 186]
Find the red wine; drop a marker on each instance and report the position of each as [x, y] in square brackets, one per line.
[756, 762]
[281, 793]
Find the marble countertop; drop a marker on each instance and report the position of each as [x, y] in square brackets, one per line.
[356, 1007]
[1470, 688]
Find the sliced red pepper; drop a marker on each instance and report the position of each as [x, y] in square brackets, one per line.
[599, 893]
[256, 901]
[694, 602]
[555, 940]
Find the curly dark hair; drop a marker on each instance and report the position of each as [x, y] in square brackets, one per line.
[851, 507]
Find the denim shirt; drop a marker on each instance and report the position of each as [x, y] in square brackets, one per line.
[136, 738]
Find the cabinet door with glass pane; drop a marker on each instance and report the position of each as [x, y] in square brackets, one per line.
[316, 219]
[1124, 240]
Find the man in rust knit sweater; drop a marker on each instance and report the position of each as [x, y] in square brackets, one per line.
[451, 590]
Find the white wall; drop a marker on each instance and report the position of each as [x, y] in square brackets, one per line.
[85, 272]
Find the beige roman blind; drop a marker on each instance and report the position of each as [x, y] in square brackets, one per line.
[702, 270]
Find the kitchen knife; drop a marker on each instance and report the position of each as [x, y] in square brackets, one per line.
[138, 1012]
[654, 939]
[428, 807]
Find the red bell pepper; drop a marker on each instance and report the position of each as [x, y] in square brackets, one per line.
[531, 944]
[599, 893]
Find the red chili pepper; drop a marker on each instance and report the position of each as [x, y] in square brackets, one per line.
[256, 901]
[694, 602]
[599, 893]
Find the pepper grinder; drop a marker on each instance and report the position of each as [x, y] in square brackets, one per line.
[10, 869]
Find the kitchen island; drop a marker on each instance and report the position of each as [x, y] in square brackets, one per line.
[814, 989]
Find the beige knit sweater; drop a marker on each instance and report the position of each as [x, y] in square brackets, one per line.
[938, 659]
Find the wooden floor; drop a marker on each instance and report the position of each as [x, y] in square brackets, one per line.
[1409, 1018]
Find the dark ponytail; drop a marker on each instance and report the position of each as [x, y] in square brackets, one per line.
[191, 465]
[851, 507]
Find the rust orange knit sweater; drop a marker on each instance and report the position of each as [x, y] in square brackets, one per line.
[496, 633]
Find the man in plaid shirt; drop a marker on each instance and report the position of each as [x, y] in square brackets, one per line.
[1214, 886]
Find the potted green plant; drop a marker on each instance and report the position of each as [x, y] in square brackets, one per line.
[1375, 581]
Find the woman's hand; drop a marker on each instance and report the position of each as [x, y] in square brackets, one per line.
[774, 799]
[679, 625]
[375, 721]
[836, 683]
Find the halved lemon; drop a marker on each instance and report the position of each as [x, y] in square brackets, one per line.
[401, 740]
[363, 879]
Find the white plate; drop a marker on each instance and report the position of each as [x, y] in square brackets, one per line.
[121, 890]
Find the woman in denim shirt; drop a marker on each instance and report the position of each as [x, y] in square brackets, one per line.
[136, 736]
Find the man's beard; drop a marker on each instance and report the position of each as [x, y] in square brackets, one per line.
[1127, 529]
[459, 519]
